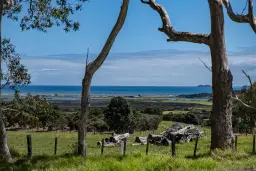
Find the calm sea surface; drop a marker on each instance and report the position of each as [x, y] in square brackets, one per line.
[113, 90]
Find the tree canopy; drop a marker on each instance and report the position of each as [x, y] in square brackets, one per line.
[118, 115]
[43, 14]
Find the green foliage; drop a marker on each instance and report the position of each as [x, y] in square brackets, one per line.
[152, 111]
[147, 122]
[43, 14]
[72, 120]
[188, 118]
[118, 115]
[31, 111]
[244, 118]
[96, 120]
[16, 73]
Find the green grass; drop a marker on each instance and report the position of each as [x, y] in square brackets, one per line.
[202, 102]
[159, 157]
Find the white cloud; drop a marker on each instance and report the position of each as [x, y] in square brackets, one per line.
[145, 68]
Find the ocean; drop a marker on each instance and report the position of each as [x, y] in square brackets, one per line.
[113, 90]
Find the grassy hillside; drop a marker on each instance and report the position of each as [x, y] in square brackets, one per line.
[159, 157]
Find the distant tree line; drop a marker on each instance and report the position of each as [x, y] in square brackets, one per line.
[35, 112]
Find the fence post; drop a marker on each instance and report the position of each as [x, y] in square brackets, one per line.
[102, 146]
[29, 144]
[55, 145]
[147, 145]
[235, 142]
[253, 144]
[196, 146]
[125, 142]
[173, 145]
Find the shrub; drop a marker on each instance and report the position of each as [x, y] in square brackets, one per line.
[118, 115]
[152, 111]
[188, 118]
[147, 122]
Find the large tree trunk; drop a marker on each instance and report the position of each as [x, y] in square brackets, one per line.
[91, 68]
[4, 150]
[221, 116]
[85, 109]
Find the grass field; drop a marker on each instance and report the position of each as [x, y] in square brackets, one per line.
[159, 157]
[202, 102]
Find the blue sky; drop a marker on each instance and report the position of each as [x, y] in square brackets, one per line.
[140, 55]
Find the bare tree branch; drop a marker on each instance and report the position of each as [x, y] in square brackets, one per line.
[249, 78]
[5, 84]
[245, 7]
[10, 109]
[87, 58]
[205, 64]
[111, 38]
[169, 30]
[248, 18]
[239, 100]
[235, 97]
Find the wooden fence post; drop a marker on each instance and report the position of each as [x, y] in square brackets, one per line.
[102, 146]
[147, 145]
[253, 144]
[235, 142]
[55, 145]
[195, 146]
[125, 142]
[173, 145]
[29, 144]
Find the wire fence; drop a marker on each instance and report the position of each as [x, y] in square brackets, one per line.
[35, 144]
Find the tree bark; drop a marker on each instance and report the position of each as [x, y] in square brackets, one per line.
[90, 69]
[4, 150]
[221, 117]
[85, 109]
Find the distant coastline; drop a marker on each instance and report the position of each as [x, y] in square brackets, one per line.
[75, 91]
[204, 86]
[129, 92]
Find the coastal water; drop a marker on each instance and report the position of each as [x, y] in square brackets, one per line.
[113, 90]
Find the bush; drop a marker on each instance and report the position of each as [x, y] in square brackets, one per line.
[188, 118]
[118, 115]
[152, 111]
[147, 122]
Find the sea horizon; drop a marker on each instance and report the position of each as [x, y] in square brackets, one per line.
[112, 90]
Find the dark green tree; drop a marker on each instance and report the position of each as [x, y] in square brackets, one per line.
[118, 115]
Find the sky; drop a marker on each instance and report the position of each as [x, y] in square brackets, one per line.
[140, 55]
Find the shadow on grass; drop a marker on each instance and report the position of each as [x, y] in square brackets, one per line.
[219, 155]
[43, 161]
[27, 164]
[203, 155]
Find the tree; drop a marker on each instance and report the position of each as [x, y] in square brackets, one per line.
[222, 134]
[118, 115]
[31, 111]
[15, 74]
[90, 69]
[41, 15]
[244, 117]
